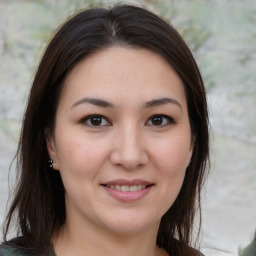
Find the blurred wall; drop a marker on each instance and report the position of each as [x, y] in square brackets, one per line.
[222, 36]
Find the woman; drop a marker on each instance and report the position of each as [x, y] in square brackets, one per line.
[114, 143]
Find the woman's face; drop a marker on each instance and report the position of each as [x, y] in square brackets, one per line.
[122, 140]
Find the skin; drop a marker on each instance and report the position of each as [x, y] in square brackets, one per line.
[127, 142]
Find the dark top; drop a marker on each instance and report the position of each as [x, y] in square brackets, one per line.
[11, 251]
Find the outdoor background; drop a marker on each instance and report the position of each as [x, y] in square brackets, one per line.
[222, 36]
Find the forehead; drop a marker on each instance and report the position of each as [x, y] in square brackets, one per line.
[121, 72]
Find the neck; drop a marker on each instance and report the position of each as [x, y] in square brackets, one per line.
[92, 241]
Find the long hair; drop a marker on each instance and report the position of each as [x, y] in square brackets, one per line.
[39, 200]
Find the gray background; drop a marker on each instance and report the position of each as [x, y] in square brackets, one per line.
[222, 36]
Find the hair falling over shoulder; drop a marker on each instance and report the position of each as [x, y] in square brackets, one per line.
[38, 207]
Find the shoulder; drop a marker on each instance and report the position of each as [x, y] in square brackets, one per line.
[6, 250]
[15, 250]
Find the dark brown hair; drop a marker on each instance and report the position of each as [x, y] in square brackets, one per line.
[38, 202]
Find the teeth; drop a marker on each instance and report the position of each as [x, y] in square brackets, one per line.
[125, 188]
[133, 188]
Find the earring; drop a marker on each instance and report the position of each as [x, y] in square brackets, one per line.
[50, 162]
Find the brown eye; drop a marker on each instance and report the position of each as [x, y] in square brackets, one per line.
[95, 121]
[160, 120]
[157, 120]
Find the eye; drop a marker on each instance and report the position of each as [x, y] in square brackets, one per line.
[95, 120]
[160, 120]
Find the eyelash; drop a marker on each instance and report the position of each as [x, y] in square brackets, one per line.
[168, 120]
[88, 118]
[163, 118]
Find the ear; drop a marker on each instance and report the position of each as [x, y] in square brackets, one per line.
[189, 157]
[51, 148]
[191, 150]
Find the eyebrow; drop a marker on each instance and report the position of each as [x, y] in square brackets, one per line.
[94, 101]
[162, 101]
[105, 104]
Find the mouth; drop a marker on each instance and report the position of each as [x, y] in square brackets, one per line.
[128, 191]
[126, 188]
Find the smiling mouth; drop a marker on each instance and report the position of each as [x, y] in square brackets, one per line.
[126, 188]
[128, 191]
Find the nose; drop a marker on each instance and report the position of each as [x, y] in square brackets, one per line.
[129, 150]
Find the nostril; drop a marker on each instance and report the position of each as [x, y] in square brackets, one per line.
[129, 159]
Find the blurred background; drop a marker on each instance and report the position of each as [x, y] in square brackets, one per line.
[222, 37]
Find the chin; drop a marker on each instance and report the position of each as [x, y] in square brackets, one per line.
[132, 225]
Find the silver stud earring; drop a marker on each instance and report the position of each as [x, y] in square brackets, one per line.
[50, 162]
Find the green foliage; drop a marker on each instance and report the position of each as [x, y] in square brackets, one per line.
[250, 250]
[196, 35]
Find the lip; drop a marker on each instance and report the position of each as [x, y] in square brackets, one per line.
[128, 182]
[124, 196]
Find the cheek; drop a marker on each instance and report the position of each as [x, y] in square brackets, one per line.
[79, 163]
[172, 157]
[171, 162]
[171, 168]
[80, 155]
